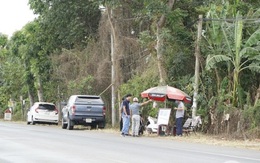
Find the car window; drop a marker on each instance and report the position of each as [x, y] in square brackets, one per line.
[71, 100]
[92, 100]
[46, 107]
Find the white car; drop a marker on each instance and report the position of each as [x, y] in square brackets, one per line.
[43, 112]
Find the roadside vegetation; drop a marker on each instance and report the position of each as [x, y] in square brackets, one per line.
[67, 50]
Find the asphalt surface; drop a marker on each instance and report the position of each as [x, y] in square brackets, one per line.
[21, 143]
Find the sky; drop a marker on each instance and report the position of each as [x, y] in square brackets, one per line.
[14, 14]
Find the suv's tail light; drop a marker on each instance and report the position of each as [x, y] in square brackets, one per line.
[73, 109]
[36, 110]
[104, 110]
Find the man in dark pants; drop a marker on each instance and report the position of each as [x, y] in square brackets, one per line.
[126, 115]
[179, 117]
[121, 111]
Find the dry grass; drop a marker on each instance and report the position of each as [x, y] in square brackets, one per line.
[204, 139]
[220, 141]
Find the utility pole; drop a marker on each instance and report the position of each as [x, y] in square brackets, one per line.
[112, 71]
[197, 68]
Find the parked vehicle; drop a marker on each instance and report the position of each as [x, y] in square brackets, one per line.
[42, 112]
[87, 110]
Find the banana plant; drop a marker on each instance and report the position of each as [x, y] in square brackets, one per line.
[214, 38]
[241, 53]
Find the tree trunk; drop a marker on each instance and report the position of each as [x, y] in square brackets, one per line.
[39, 89]
[159, 46]
[235, 87]
[218, 79]
[30, 95]
[197, 56]
[237, 60]
[162, 73]
[29, 82]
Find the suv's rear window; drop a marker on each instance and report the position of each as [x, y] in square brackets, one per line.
[91, 100]
[46, 107]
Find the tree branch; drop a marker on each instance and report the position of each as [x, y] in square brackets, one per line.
[161, 22]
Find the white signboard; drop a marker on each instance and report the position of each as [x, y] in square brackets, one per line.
[164, 115]
[8, 116]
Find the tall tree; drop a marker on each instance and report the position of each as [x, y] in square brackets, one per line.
[160, 45]
[30, 45]
[18, 48]
[67, 23]
[3, 41]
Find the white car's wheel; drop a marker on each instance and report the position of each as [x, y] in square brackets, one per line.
[33, 122]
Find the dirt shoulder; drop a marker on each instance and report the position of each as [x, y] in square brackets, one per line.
[205, 139]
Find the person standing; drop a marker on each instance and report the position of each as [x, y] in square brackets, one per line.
[121, 113]
[135, 114]
[126, 115]
[179, 117]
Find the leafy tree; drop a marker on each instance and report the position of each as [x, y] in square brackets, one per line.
[240, 55]
[29, 45]
[3, 54]
[3, 44]
[67, 23]
[3, 40]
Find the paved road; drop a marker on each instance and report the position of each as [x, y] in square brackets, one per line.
[21, 143]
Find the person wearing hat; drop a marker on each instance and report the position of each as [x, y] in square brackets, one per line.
[126, 115]
[134, 110]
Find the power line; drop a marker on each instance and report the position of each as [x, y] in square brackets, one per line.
[257, 20]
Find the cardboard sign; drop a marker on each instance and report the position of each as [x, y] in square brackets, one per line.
[163, 116]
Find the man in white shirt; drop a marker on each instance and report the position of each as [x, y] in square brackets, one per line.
[179, 117]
